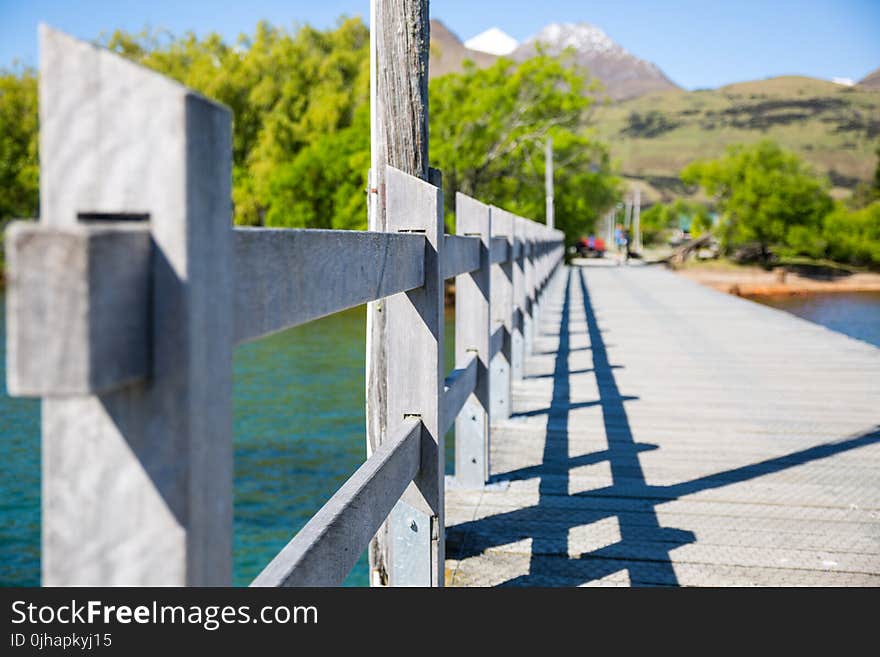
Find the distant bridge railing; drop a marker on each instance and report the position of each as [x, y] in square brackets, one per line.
[126, 300]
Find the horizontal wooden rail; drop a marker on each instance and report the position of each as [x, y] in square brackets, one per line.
[327, 548]
[461, 254]
[458, 386]
[517, 250]
[286, 277]
[500, 250]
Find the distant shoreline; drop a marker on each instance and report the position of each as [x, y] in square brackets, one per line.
[755, 281]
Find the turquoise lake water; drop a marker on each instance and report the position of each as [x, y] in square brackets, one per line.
[856, 314]
[299, 434]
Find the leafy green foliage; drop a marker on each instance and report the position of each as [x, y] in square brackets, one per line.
[19, 170]
[766, 196]
[300, 100]
[290, 93]
[488, 133]
[853, 235]
[656, 221]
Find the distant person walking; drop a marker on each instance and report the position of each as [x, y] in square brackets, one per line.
[621, 240]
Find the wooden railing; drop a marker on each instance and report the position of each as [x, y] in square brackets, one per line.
[125, 302]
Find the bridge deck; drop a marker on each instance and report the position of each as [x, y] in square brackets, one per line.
[667, 434]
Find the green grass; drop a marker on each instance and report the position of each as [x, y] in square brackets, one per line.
[832, 127]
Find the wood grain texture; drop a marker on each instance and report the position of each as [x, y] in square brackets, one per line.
[288, 277]
[400, 48]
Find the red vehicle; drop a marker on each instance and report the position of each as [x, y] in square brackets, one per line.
[591, 247]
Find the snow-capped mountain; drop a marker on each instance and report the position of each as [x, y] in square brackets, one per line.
[622, 74]
[493, 41]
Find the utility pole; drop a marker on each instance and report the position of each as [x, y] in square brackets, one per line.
[637, 228]
[399, 50]
[548, 184]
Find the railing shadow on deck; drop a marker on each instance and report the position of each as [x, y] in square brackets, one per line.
[644, 546]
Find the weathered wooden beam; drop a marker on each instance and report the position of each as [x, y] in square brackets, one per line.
[461, 254]
[517, 248]
[287, 277]
[500, 250]
[78, 307]
[414, 324]
[473, 317]
[457, 387]
[517, 338]
[327, 548]
[137, 483]
[529, 231]
[399, 54]
[501, 305]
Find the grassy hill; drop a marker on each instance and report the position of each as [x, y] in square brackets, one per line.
[835, 128]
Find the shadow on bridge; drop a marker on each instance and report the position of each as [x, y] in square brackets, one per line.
[644, 546]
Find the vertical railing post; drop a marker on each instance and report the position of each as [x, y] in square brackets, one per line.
[399, 54]
[472, 335]
[501, 307]
[542, 271]
[137, 482]
[529, 283]
[517, 341]
[414, 325]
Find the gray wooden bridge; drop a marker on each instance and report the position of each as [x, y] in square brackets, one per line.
[613, 425]
[667, 434]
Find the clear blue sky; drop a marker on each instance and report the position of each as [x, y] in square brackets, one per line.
[698, 43]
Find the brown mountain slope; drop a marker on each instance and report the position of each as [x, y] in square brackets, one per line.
[448, 52]
[871, 80]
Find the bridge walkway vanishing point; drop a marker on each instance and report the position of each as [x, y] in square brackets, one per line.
[667, 434]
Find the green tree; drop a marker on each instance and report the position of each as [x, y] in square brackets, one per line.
[300, 100]
[853, 236]
[657, 220]
[766, 196]
[488, 132]
[288, 90]
[19, 169]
